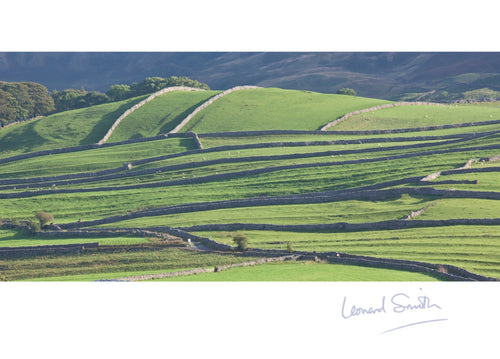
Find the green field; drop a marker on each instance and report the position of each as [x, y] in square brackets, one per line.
[160, 116]
[275, 109]
[188, 177]
[71, 128]
[304, 271]
[93, 160]
[420, 116]
[108, 263]
[475, 248]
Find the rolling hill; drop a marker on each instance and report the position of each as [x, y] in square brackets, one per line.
[412, 189]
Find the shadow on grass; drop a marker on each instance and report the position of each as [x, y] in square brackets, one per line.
[24, 139]
[169, 126]
[106, 122]
[17, 236]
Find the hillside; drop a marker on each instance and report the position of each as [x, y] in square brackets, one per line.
[412, 190]
[71, 128]
[275, 109]
[387, 75]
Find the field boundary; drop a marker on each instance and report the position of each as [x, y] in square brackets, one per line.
[200, 150]
[208, 103]
[215, 269]
[16, 122]
[343, 226]
[242, 134]
[142, 103]
[310, 198]
[85, 177]
[9, 252]
[375, 108]
[443, 271]
[230, 175]
[358, 133]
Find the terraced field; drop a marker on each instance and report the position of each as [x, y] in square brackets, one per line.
[351, 199]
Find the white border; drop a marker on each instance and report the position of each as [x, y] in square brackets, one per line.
[227, 320]
[259, 25]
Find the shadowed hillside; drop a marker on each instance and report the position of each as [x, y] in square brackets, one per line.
[379, 75]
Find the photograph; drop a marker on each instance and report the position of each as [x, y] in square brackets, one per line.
[250, 166]
[255, 180]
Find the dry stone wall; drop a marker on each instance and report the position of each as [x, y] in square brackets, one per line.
[11, 252]
[142, 103]
[444, 271]
[253, 133]
[208, 103]
[435, 175]
[375, 108]
[369, 132]
[204, 270]
[16, 122]
[342, 226]
[44, 181]
[323, 197]
[230, 175]
[104, 232]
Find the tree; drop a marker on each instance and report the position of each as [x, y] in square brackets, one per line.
[241, 241]
[67, 99]
[94, 98]
[43, 103]
[71, 99]
[44, 218]
[347, 91]
[118, 92]
[7, 107]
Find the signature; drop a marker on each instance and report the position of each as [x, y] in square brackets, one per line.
[399, 303]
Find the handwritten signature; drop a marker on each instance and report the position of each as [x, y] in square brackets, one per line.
[399, 303]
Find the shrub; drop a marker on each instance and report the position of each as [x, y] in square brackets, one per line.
[289, 247]
[34, 225]
[241, 241]
[347, 91]
[44, 218]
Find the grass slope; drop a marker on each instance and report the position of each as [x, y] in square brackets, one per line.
[70, 128]
[419, 116]
[160, 115]
[105, 263]
[271, 108]
[305, 271]
[323, 168]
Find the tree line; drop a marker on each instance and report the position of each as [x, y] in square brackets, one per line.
[22, 100]
[71, 98]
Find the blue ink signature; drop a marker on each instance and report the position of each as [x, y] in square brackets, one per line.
[423, 303]
[400, 302]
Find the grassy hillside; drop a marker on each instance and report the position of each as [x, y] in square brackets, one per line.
[314, 179]
[64, 129]
[420, 116]
[271, 108]
[160, 115]
[307, 272]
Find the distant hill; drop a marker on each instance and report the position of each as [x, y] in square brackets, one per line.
[397, 75]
